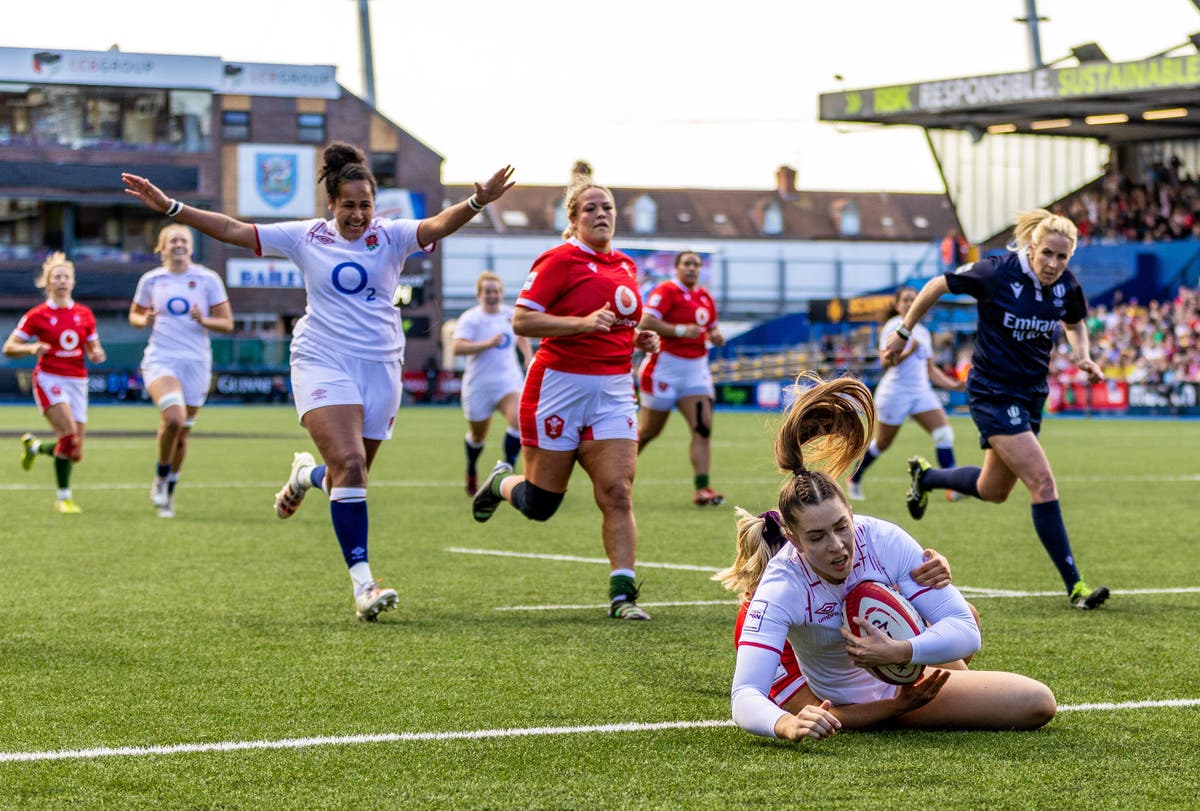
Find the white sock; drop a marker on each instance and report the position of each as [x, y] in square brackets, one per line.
[63, 495]
[360, 575]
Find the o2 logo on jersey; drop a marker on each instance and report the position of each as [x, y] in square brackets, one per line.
[354, 274]
[68, 339]
[626, 300]
[702, 316]
[177, 306]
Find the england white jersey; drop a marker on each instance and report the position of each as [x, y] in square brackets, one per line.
[497, 364]
[175, 334]
[350, 285]
[794, 604]
[912, 373]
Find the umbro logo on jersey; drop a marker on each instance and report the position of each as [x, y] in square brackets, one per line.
[827, 610]
[1017, 287]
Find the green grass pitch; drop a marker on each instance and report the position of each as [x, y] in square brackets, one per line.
[229, 626]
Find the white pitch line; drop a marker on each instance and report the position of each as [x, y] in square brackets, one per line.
[601, 607]
[574, 559]
[968, 591]
[475, 734]
[456, 483]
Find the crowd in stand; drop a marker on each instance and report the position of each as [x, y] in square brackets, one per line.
[1163, 206]
[1155, 343]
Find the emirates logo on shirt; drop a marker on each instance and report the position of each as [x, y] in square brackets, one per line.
[554, 426]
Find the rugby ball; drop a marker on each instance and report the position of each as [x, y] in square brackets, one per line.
[889, 612]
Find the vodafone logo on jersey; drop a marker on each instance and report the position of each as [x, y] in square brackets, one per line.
[554, 426]
[69, 339]
[626, 300]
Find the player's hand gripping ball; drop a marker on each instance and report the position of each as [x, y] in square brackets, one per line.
[888, 611]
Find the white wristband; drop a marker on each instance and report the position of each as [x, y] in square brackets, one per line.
[475, 205]
[174, 209]
[680, 330]
[903, 332]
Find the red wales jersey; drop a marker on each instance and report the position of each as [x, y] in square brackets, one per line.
[66, 329]
[675, 304]
[574, 280]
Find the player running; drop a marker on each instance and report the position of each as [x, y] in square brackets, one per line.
[1022, 299]
[347, 349]
[906, 390]
[685, 317]
[493, 378]
[180, 302]
[60, 333]
[578, 405]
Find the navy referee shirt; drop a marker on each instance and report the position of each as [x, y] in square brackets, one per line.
[1018, 317]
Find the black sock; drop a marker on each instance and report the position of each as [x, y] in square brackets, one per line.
[1052, 532]
[473, 452]
[62, 472]
[512, 447]
[870, 456]
[959, 479]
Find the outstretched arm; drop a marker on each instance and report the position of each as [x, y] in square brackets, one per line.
[449, 220]
[209, 223]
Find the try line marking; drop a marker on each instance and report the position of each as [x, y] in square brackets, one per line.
[470, 734]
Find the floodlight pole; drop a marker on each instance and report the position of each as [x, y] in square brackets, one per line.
[368, 62]
[1031, 20]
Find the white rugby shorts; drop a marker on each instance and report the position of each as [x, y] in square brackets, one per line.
[561, 409]
[893, 405]
[665, 379]
[341, 379]
[194, 376]
[50, 390]
[480, 397]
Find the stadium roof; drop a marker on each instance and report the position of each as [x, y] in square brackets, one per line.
[1156, 98]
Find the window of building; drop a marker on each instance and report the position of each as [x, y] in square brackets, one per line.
[104, 117]
[383, 166]
[645, 215]
[850, 223]
[561, 221]
[310, 128]
[772, 218]
[235, 125]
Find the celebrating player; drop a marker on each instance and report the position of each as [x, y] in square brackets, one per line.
[799, 600]
[905, 391]
[581, 299]
[180, 302]
[347, 349]
[1022, 297]
[685, 316]
[60, 333]
[492, 381]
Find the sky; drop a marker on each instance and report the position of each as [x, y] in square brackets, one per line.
[652, 93]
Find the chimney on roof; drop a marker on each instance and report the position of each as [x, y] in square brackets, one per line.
[785, 182]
